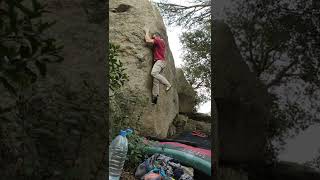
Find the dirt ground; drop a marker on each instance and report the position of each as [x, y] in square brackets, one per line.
[127, 175]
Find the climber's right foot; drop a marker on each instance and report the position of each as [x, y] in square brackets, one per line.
[168, 88]
[154, 99]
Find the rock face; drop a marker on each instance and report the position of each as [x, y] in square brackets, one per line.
[182, 123]
[60, 130]
[127, 20]
[186, 94]
[242, 103]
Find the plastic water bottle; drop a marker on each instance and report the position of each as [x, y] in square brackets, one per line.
[117, 154]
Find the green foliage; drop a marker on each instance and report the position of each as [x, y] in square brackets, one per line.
[120, 109]
[25, 51]
[279, 43]
[136, 151]
[123, 115]
[79, 125]
[117, 76]
[118, 102]
[197, 61]
[25, 48]
[196, 16]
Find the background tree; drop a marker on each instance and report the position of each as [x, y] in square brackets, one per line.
[197, 12]
[196, 40]
[196, 58]
[25, 48]
[279, 40]
[268, 32]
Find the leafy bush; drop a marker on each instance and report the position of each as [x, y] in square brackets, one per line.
[122, 115]
[25, 51]
[24, 47]
[136, 151]
[120, 109]
[117, 76]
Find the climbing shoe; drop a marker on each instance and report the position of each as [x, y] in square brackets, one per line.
[154, 99]
[168, 88]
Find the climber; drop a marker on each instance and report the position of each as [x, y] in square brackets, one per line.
[159, 48]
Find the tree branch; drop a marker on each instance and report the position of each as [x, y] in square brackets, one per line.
[282, 73]
[199, 84]
[251, 58]
[265, 58]
[272, 61]
[292, 74]
[180, 7]
[185, 12]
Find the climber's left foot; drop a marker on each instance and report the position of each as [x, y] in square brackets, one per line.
[154, 99]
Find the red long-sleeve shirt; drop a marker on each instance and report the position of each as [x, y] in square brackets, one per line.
[159, 49]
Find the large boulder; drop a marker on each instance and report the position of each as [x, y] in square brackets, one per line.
[243, 103]
[183, 123]
[187, 95]
[127, 20]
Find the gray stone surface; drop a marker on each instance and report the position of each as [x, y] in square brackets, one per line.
[182, 123]
[187, 95]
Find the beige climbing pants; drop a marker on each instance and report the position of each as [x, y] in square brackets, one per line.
[157, 68]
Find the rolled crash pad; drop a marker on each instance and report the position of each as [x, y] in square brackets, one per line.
[197, 158]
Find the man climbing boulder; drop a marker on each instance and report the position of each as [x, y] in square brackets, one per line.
[159, 50]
